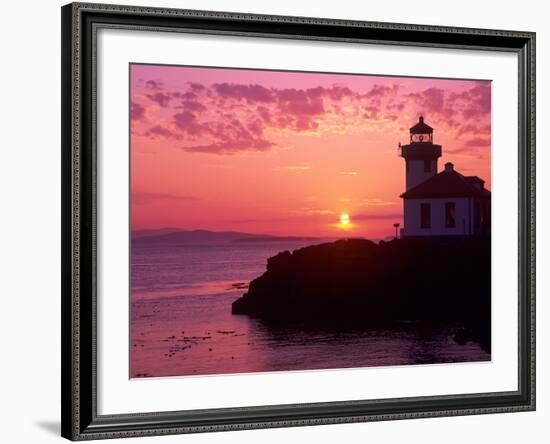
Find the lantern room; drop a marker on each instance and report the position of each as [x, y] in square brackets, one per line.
[420, 155]
[421, 133]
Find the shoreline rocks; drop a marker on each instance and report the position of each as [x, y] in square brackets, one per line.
[443, 281]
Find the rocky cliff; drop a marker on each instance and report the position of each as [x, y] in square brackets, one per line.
[438, 281]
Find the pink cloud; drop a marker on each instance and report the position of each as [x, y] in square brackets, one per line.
[250, 93]
[371, 112]
[159, 131]
[186, 121]
[192, 105]
[196, 86]
[379, 91]
[232, 146]
[431, 101]
[479, 99]
[473, 130]
[160, 98]
[383, 216]
[153, 84]
[299, 103]
[142, 197]
[478, 142]
[137, 111]
[224, 118]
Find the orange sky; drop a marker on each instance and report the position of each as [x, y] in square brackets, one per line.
[288, 152]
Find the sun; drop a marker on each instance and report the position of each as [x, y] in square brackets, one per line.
[344, 219]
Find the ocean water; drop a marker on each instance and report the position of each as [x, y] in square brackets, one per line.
[182, 322]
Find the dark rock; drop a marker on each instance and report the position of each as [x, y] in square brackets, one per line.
[434, 280]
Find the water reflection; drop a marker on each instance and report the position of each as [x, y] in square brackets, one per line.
[199, 336]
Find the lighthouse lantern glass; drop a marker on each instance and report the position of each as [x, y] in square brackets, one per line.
[421, 138]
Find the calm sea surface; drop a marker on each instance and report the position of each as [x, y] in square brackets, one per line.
[182, 322]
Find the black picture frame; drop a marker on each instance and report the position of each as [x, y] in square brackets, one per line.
[80, 22]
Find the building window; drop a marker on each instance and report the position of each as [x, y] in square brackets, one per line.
[427, 165]
[425, 215]
[450, 215]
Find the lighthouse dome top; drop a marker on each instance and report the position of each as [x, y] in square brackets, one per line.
[421, 127]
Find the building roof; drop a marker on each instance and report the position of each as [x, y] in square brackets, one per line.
[474, 179]
[448, 183]
[421, 127]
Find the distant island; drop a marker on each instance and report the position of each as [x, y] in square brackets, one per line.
[434, 281]
[276, 239]
[178, 236]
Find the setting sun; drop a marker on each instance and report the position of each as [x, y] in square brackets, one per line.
[344, 219]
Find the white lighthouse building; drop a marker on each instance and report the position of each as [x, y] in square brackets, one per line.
[440, 204]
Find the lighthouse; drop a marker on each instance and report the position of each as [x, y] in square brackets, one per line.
[444, 203]
[420, 154]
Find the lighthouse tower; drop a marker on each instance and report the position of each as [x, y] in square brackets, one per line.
[420, 154]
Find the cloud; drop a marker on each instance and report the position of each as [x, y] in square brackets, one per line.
[192, 105]
[473, 147]
[225, 118]
[476, 101]
[288, 108]
[153, 84]
[250, 93]
[196, 86]
[431, 100]
[478, 142]
[159, 131]
[141, 197]
[465, 151]
[231, 147]
[464, 112]
[380, 91]
[335, 92]
[294, 168]
[186, 121]
[137, 111]
[309, 212]
[395, 216]
[473, 130]
[255, 221]
[189, 95]
[375, 202]
[371, 112]
[225, 135]
[392, 106]
[459, 150]
[299, 102]
[160, 98]
[349, 173]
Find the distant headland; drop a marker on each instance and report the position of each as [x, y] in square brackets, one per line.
[178, 236]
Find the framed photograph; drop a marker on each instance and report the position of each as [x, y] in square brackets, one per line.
[282, 221]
